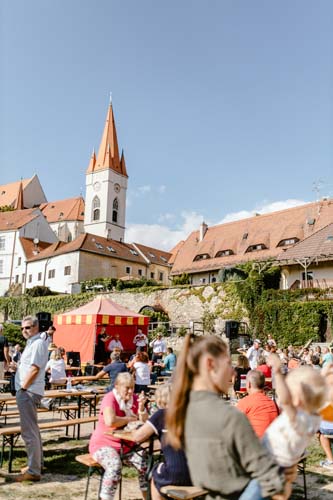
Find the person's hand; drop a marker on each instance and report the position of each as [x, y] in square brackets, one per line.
[142, 401]
[274, 361]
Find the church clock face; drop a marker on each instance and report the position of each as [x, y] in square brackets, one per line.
[117, 188]
[97, 186]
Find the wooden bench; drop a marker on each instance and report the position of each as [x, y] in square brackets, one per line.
[93, 467]
[15, 413]
[183, 492]
[10, 435]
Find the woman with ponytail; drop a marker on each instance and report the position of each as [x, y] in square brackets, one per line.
[224, 455]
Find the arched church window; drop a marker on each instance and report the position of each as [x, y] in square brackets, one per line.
[115, 208]
[96, 208]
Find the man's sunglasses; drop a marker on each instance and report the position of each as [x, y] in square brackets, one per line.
[25, 328]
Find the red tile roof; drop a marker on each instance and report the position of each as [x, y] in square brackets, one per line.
[30, 248]
[10, 192]
[71, 209]
[268, 230]
[154, 255]
[93, 244]
[319, 245]
[9, 221]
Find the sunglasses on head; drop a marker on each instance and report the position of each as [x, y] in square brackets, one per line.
[25, 328]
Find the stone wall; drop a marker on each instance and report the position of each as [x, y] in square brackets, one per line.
[184, 304]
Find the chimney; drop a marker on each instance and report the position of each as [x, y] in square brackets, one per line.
[202, 230]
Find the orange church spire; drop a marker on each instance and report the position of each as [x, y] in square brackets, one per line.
[19, 200]
[108, 153]
[92, 162]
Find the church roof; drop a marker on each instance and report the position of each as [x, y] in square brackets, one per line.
[108, 153]
[71, 209]
[10, 192]
[93, 244]
[10, 221]
[256, 238]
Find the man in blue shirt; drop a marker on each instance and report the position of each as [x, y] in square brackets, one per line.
[112, 369]
[169, 362]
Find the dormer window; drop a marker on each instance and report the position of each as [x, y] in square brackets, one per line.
[99, 246]
[115, 208]
[201, 256]
[61, 214]
[111, 249]
[133, 252]
[153, 256]
[254, 248]
[288, 241]
[245, 235]
[224, 253]
[163, 258]
[96, 208]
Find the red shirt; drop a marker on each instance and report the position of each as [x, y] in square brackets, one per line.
[267, 371]
[260, 410]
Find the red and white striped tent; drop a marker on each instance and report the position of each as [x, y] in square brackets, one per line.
[77, 330]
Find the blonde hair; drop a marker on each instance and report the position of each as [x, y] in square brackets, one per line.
[308, 385]
[124, 379]
[56, 354]
[162, 395]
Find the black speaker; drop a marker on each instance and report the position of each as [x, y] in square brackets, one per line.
[44, 320]
[74, 357]
[231, 329]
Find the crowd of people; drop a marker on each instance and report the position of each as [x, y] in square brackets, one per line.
[248, 450]
[245, 447]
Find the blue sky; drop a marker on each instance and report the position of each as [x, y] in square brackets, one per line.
[222, 107]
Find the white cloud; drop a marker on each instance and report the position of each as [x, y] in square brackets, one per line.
[164, 237]
[161, 189]
[262, 209]
[144, 189]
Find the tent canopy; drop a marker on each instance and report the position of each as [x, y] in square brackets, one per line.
[101, 311]
[77, 330]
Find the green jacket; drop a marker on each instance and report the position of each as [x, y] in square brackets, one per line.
[223, 452]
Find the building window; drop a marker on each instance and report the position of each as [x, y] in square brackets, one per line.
[17, 278]
[69, 237]
[1, 266]
[160, 276]
[96, 204]
[115, 208]
[224, 253]
[67, 270]
[140, 272]
[201, 256]
[307, 276]
[39, 278]
[152, 276]
[254, 248]
[30, 278]
[51, 273]
[2, 242]
[128, 270]
[19, 260]
[23, 278]
[288, 241]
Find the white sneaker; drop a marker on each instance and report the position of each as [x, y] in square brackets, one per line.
[327, 464]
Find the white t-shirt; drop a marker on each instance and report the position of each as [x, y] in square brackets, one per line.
[57, 368]
[142, 373]
[115, 344]
[286, 441]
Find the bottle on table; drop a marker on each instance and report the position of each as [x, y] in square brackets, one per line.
[69, 384]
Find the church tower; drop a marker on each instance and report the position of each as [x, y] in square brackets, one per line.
[106, 185]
